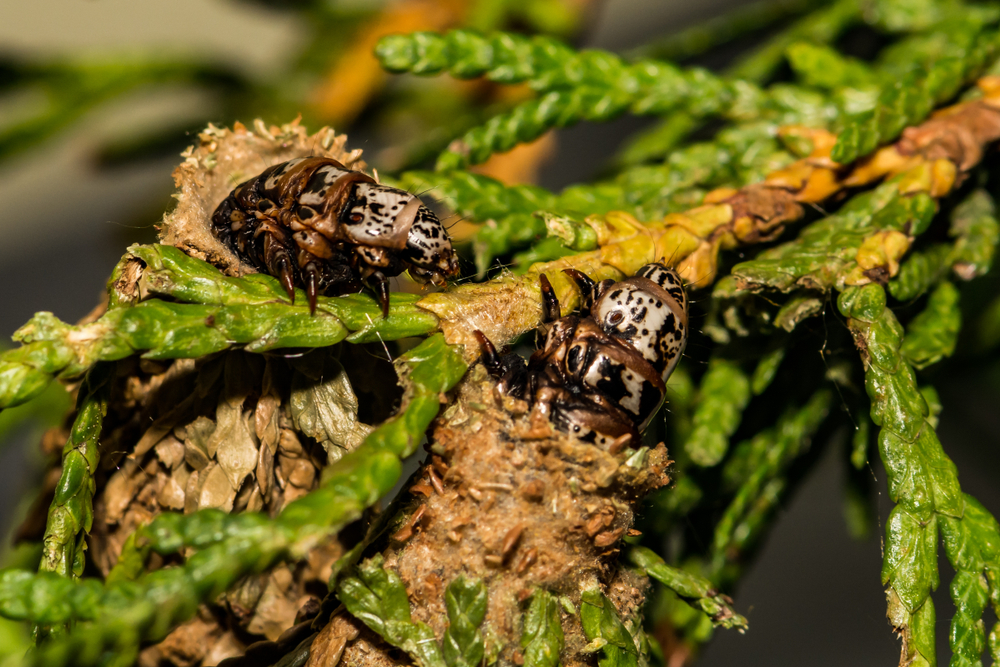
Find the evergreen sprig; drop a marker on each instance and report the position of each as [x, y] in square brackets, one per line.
[723, 394]
[872, 106]
[693, 589]
[71, 513]
[541, 633]
[215, 313]
[867, 232]
[924, 484]
[606, 632]
[572, 86]
[922, 270]
[909, 98]
[757, 470]
[377, 597]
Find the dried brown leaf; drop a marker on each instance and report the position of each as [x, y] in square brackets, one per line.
[170, 451]
[275, 612]
[235, 443]
[329, 645]
[324, 407]
[214, 489]
[196, 442]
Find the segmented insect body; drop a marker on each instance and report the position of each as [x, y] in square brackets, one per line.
[311, 222]
[602, 374]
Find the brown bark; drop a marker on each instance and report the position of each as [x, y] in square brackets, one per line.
[507, 499]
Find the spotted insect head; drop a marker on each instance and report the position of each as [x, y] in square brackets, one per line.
[428, 249]
[649, 313]
[311, 222]
[382, 216]
[601, 375]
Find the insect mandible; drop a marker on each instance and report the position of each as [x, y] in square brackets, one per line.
[312, 222]
[601, 375]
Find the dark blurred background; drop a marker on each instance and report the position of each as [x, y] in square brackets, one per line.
[74, 201]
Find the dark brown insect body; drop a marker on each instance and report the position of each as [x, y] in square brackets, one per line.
[602, 374]
[311, 222]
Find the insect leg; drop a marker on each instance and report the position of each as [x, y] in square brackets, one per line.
[277, 260]
[489, 355]
[550, 303]
[311, 275]
[508, 370]
[588, 288]
[281, 267]
[380, 284]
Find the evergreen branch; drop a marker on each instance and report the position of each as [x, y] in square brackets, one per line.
[652, 192]
[606, 632]
[768, 365]
[126, 613]
[976, 232]
[72, 512]
[546, 65]
[921, 271]
[223, 312]
[972, 545]
[172, 273]
[864, 240]
[542, 634]
[924, 165]
[911, 97]
[873, 231]
[975, 227]
[757, 469]
[377, 597]
[573, 86]
[586, 85]
[819, 27]
[924, 484]
[692, 589]
[722, 396]
[650, 89]
[171, 533]
[511, 213]
[933, 333]
[462, 644]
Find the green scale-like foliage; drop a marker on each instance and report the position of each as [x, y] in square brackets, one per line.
[872, 104]
[574, 86]
[824, 252]
[207, 313]
[922, 481]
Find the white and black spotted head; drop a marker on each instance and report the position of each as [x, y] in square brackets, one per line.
[380, 215]
[668, 279]
[644, 313]
[428, 249]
